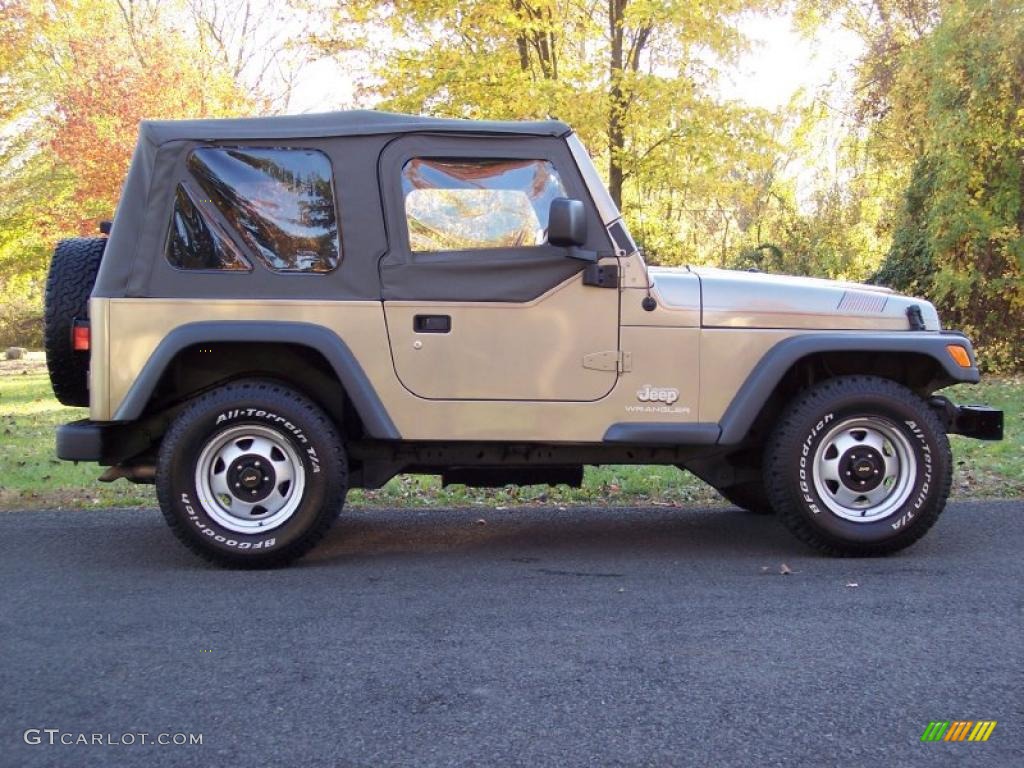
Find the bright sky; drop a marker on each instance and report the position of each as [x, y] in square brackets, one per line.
[322, 87]
[782, 61]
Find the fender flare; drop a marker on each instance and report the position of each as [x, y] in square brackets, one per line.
[748, 401]
[357, 386]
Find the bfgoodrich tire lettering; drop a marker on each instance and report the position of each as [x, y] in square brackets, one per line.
[295, 438]
[879, 414]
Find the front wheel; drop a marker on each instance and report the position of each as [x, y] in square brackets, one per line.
[251, 474]
[858, 465]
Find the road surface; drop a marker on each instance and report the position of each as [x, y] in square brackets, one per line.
[537, 637]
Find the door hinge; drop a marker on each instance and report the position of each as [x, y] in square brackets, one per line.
[601, 275]
[613, 360]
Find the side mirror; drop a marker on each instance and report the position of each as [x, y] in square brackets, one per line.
[567, 227]
[567, 222]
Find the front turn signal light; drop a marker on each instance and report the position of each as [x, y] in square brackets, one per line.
[959, 355]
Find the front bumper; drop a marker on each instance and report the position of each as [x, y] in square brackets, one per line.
[977, 421]
[105, 442]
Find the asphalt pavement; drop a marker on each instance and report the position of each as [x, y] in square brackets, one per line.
[529, 637]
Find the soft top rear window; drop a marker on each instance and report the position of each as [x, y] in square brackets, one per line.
[279, 202]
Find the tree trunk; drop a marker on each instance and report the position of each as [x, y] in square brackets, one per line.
[616, 107]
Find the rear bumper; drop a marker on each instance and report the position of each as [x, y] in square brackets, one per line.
[977, 421]
[105, 442]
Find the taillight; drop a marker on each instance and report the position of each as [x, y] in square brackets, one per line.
[80, 336]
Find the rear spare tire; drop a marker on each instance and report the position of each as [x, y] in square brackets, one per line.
[68, 286]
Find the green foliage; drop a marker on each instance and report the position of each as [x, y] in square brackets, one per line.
[31, 478]
[959, 236]
[36, 202]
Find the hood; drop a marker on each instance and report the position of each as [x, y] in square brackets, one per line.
[733, 299]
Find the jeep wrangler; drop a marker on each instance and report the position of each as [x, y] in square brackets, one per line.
[288, 307]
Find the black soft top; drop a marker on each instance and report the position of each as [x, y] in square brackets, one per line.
[133, 264]
[362, 122]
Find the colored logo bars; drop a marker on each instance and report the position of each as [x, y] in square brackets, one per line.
[958, 730]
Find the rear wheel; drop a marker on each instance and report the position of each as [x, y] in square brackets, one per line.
[73, 270]
[858, 465]
[251, 474]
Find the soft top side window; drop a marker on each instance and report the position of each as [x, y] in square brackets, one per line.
[467, 204]
[279, 202]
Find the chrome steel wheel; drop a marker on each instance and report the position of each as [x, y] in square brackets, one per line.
[864, 469]
[250, 479]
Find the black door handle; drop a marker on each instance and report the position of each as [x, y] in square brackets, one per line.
[432, 323]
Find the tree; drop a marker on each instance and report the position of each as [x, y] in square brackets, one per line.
[634, 78]
[935, 147]
[959, 236]
[253, 42]
[81, 74]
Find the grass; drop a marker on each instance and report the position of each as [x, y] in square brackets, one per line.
[30, 476]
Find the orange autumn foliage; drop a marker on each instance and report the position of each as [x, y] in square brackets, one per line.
[109, 86]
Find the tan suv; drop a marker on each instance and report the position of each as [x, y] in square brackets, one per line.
[289, 307]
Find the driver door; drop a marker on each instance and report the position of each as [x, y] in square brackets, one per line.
[479, 306]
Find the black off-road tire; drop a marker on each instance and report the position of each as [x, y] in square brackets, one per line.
[270, 409]
[69, 283]
[790, 465]
[750, 497]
